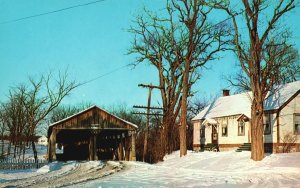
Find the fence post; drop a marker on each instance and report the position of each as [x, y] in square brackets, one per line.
[13, 164]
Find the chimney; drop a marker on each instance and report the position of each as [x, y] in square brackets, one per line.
[226, 92]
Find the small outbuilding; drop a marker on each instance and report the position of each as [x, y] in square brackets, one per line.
[43, 140]
[92, 134]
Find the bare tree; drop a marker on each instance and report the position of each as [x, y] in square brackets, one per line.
[14, 119]
[239, 81]
[177, 45]
[197, 105]
[124, 112]
[39, 105]
[286, 67]
[152, 44]
[3, 129]
[29, 105]
[282, 60]
[259, 53]
[198, 44]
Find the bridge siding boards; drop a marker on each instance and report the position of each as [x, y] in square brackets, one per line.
[99, 126]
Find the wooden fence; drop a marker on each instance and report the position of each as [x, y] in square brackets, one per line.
[13, 164]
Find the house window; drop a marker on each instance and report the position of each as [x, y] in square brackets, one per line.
[224, 127]
[297, 123]
[224, 130]
[267, 124]
[241, 128]
[202, 132]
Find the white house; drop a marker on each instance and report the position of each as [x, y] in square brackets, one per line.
[43, 140]
[226, 121]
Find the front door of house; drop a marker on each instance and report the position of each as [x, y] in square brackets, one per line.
[214, 135]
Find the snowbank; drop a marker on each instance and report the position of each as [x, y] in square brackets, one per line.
[55, 166]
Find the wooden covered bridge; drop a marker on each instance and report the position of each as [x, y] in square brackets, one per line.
[92, 134]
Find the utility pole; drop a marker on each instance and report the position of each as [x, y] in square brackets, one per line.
[148, 107]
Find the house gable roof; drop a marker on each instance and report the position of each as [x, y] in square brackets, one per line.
[282, 94]
[227, 106]
[241, 103]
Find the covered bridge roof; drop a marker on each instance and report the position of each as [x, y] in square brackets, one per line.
[91, 117]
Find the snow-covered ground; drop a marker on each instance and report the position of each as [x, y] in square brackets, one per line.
[41, 151]
[212, 169]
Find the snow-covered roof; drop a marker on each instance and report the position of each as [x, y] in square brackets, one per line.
[209, 121]
[95, 106]
[241, 103]
[226, 106]
[281, 95]
[43, 136]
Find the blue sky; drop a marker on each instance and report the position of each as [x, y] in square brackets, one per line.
[91, 41]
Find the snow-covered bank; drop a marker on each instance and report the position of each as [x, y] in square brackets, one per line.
[214, 169]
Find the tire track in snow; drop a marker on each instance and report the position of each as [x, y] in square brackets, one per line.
[40, 177]
[80, 173]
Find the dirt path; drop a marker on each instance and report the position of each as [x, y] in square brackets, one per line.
[80, 173]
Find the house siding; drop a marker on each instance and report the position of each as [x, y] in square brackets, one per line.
[196, 135]
[286, 118]
[207, 139]
[232, 136]
[272, 138]
[286, 125]
[282, 120]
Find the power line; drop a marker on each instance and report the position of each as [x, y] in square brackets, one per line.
[143, 85]
[50, 12]
[103, 75]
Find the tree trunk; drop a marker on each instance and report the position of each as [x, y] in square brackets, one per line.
[21, 145]
[2, 145]
[8, 148]
[182, 132]
[168, 134]
[183, 124]
[24, 151]
[15, 150]
[145, 142]
[257, 131]
[34, 151]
